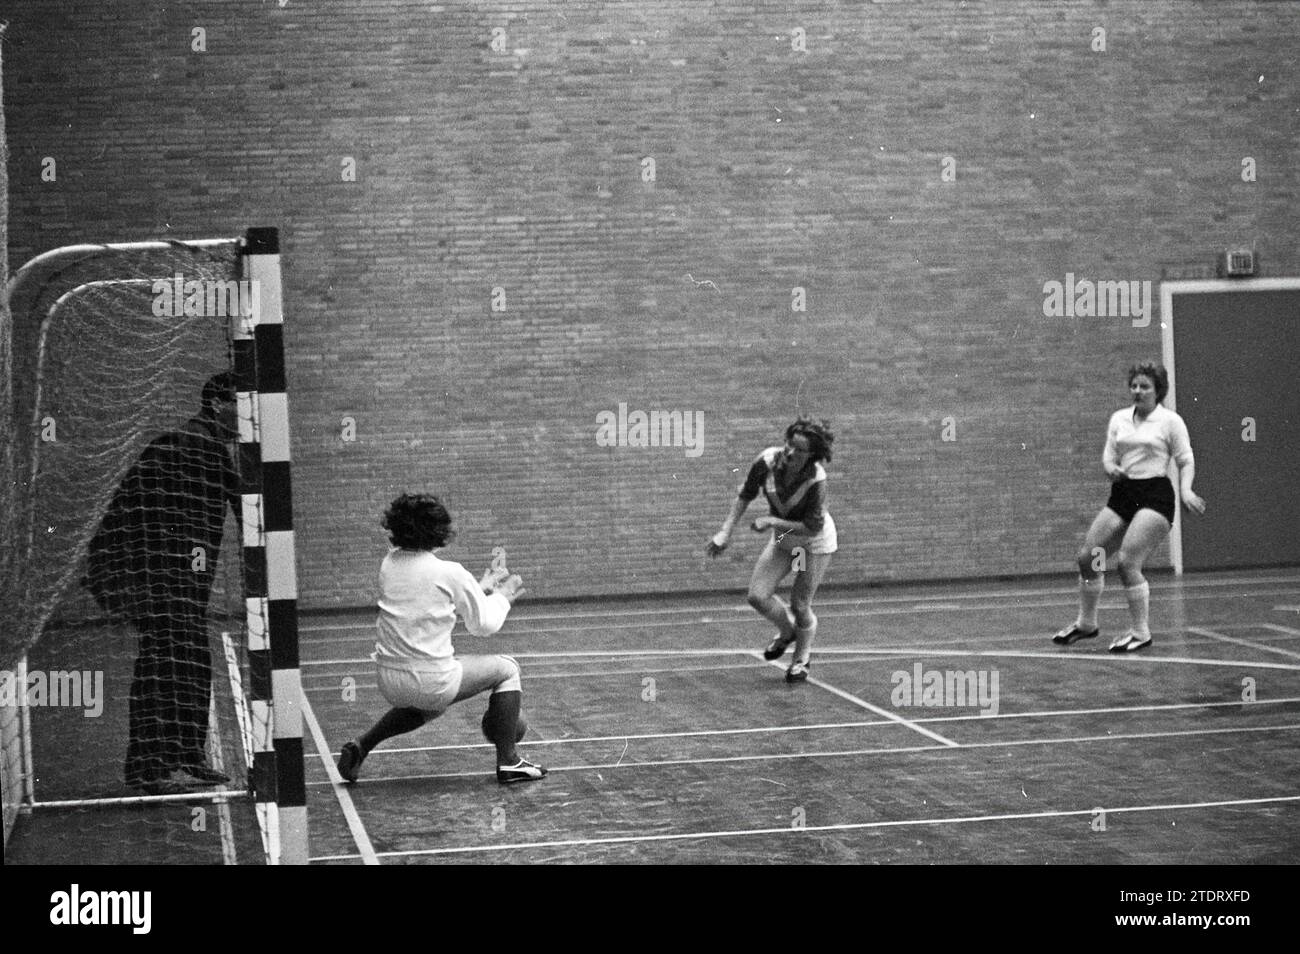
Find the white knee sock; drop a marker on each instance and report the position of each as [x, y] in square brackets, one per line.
[1139, 605]
[1089, 597]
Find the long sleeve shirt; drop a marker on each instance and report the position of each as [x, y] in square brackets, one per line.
[420, 597]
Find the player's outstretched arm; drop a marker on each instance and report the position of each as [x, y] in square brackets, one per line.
[483, 613]
[722, 538]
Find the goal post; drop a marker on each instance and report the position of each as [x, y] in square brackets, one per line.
[270, 574]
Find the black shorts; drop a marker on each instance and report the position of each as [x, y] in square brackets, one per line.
[1127, 497]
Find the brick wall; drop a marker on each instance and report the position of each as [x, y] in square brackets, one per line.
[774, 168]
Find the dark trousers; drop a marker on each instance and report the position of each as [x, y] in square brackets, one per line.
[170, 694]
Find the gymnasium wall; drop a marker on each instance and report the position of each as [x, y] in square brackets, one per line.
[969, 424]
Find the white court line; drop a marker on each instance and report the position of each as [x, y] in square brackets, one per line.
[1099, 657]
[846, 826]
[332, 685]
[329, 681]
[1263, 647]
[893, 716]
[875, 723]
[1281, 629]
[363, 631]
[243, 720]
[957, 649]
[1288, 609]
[1037, 634]
[358, 830]
[593, 653]
[216, 756]
[890, 651]
[1229, 627]
[869, 605]
[839, 753]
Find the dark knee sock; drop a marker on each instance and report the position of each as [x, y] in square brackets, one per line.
[393, 722]
[501, 723]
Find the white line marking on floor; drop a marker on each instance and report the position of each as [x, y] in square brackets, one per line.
[846, 826]
[818, 726]
[1096, 657]
[1263, 647]
[893, 716]
[842, 753]
[957, 649]
[355, 825]
[886, 651]
[330, 681]
[872, 604]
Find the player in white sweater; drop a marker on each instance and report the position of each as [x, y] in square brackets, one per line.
[418, 671]
[1141, 440]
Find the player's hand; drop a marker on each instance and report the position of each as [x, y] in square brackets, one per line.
[763, 523]
[1193, 502]
[717, 543]
[492, 578]
[512, 587]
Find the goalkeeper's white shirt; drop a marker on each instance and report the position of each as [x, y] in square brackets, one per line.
[420, 597]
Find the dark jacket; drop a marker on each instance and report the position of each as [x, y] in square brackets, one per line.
[142, 562]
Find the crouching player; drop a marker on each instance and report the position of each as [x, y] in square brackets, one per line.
[418, 671]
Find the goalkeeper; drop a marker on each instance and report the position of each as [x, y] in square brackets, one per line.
[418, 671]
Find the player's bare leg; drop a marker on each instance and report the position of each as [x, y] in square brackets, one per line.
[801, 597]
[1099, 545]
[773, 566]
[1143, 535]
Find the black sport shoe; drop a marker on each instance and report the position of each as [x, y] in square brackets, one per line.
[1130, 642]
[522, 771]
[1072, 634]
[798, 672]
[350, 758]
[777, 647]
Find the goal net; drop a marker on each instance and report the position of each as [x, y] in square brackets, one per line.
[136, 679]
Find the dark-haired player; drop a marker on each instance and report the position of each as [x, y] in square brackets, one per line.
[803, 536]
[1140, 441]
[418, 671]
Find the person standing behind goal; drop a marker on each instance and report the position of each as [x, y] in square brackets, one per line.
[142, 567]
[1140, 442]
[418, 671]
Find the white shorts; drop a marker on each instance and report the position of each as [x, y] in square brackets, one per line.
[824, 541]
[429, 690]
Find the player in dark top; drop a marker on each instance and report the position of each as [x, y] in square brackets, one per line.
[803, 536]
[152, 562]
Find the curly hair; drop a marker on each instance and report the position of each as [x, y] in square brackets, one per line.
[819, 436]
[417, 522]
[1156, 372]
